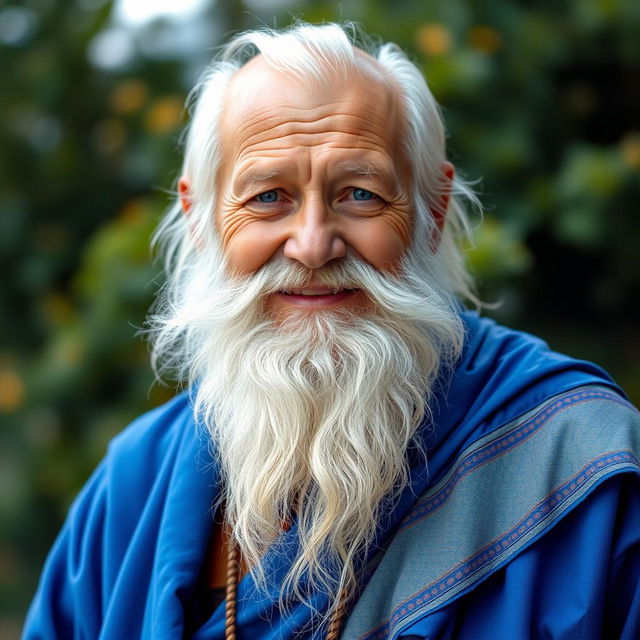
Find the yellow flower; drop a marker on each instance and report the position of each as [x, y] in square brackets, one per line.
[12, 390]
[164, 115]
[129, 96]
[434, 39]
[630, 149]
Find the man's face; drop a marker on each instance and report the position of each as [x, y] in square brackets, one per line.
[312, 172]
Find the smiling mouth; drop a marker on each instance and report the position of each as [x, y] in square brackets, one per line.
[317, 291]
[318, 297]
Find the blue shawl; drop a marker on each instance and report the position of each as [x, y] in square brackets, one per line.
[127, 561]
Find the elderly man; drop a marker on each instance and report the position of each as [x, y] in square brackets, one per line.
[356, 456]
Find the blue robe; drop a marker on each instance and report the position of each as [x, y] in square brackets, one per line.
[526, 523]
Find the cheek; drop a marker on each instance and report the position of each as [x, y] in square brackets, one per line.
[250, 246]
[380, 243]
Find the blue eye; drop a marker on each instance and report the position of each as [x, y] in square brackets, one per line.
[267, 196]
[363, 194]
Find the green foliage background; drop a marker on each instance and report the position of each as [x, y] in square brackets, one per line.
[542, 102]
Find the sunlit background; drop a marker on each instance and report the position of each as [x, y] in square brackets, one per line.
[542, 103]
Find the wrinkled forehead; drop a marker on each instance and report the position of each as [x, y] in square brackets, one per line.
[258, 92]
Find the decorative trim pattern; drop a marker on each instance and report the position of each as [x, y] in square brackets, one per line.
[501, 545]
[539, 514]
[501, 445]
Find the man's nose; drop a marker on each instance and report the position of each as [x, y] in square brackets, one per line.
[314, 239]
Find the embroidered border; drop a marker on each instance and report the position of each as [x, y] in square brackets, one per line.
[486, 449]
[502, 543]
[498, 446]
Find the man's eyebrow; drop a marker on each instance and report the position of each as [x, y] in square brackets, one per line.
[387, 174]
[364, 168]
[252, 177]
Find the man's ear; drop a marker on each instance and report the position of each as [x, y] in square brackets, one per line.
[439, 211]
[184, 189]
[186, 200]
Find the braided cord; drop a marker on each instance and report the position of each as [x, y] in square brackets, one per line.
[337, 617]
[233, 572]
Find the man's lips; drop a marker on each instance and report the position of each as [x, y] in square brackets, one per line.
[316, 296]
[316, 291]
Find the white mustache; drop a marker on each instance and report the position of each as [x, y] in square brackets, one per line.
[349, 273]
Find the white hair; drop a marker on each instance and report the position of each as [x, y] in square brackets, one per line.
[314, 416]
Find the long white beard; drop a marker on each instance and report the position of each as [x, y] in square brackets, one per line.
[311, 417]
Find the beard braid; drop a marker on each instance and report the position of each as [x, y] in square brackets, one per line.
[311, 415]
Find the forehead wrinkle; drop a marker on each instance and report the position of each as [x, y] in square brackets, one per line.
[292, 143]
[272, 148]
[309, 115]
[268, 161]
[279, 128]
[262, 113]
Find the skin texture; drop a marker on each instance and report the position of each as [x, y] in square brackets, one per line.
[312, 172]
